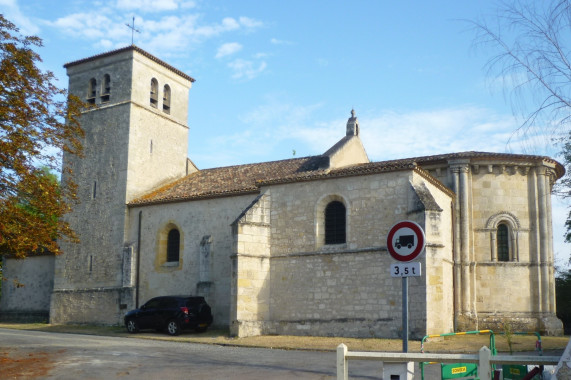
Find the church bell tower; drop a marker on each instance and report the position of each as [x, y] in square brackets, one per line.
[136, 139]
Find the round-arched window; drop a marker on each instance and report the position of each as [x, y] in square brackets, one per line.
[335, 223]
[173, 245]
[503, 242]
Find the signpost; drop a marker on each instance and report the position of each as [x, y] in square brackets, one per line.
[405, 242]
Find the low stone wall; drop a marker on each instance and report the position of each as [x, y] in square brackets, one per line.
[545, 324]
[27, 288]
[101, 306]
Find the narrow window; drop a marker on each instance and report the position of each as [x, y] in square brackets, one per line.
[106, 89]
[167, 99]
[173, 245]
[154, 92]
[503, 245]
[94, 189]
[91, 91]
[335, 227]
[151, 148]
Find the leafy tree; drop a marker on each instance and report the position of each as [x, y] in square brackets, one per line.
[562, 292]
[532, 40]
[37, 122]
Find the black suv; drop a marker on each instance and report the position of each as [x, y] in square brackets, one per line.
[170, 313]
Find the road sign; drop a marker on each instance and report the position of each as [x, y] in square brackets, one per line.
[406, 269]
[405, 241]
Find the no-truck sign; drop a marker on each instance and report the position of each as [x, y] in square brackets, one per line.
[405, 241]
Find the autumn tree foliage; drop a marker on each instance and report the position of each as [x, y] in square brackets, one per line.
[38, 121]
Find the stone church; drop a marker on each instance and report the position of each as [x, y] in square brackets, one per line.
[296, 246]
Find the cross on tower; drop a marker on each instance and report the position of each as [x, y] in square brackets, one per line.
[133, 30]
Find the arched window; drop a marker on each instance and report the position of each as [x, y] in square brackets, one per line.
[335, 226]
[173, 245]
[91, 91]
[154, 92]
[503, 242]
[167, 99]
[505, 234]
[106, 88]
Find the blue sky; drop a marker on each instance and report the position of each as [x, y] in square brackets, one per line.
[278, 78]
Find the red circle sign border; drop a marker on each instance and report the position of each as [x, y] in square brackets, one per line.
[419, 234]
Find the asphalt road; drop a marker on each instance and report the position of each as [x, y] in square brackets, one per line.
[40, 355]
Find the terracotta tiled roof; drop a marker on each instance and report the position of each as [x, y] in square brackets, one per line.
[137, 49]
[229, 180]
[243, 179]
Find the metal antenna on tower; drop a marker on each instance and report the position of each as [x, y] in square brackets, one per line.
[133, 30]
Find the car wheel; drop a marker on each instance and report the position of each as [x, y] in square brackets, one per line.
[173, 328]
[132, 326]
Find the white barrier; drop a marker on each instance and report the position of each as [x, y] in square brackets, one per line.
[484, 359]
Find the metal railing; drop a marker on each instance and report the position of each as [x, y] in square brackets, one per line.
[484, 359]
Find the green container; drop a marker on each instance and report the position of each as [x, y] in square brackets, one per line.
[459, 370]
[514, 372]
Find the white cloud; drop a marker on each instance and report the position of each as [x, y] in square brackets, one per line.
[279, 115]
[11, 11]
[159, 35]
[207, 31]
[250, 23]
[92, 26]
[229, 23]
[187, 4]
[275, 41]
[106, 44]
[228, 49]
[154, 5]
[428, 132]
[244, 69]
[436, 131]
[176, 31]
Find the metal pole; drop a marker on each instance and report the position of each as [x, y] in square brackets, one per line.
[405, 314]
[138, 261]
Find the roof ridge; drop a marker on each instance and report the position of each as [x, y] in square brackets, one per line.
[134, 48]
[260, 163]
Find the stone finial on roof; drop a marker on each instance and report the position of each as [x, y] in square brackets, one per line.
[353, 125]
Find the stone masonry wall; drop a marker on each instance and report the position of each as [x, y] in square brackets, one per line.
[342, 294]
[250, 305]
[509, 192]
[130, 147]
[195, 220]
[80, 306]
[344, 289]
[438, 257]
[27, 284]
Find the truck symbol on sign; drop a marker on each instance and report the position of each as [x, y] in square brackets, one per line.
[407, 240]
